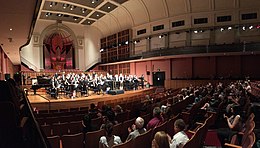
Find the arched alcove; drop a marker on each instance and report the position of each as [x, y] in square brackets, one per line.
[58, 48]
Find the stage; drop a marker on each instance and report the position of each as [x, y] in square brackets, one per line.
[43, 101]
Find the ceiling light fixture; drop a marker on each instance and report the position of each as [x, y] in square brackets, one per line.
[244, 28]
[65, 6]
[72, 7]
[11, 29]
[195, 31]
[97, 15]
[222, 29]
[251, 27]
[108, 7]
[83, 10]
[229, 28]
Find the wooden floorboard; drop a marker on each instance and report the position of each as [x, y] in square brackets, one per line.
[43, 101]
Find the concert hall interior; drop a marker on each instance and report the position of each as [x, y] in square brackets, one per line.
[129, 73]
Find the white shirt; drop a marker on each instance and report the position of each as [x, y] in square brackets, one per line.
[103, 143]
[179, 140]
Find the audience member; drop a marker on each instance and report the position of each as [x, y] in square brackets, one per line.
[109, 139]
[180, 138]
[156, 120]
[234, 123]
[136, 129]
[93, 111]
[161, 140]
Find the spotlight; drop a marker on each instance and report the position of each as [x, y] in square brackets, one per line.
[72, 7]
[222, 29]
[160, 36]
[195, 31]
[251, 27]
[244, 28]
[135, 42]
[101, 50]
[83, 10]
[148, 38]
[126, 42]
[229, 28]
[65, 6]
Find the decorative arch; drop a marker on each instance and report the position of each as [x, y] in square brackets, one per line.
[59, 48]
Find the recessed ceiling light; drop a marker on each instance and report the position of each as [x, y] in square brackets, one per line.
[97, 14]
[93, 2]
[11, 29]
[88, 22]
[108, 7]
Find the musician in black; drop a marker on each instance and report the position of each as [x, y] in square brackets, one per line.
[55, 86]
[142, 81]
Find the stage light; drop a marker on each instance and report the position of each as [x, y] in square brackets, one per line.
[229, 28]
[251, 27]
[222, 29]
[126, 42]
[243, 28]
[195, 31]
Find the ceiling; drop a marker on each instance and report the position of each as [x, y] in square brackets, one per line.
[109, 16]
[16, 19]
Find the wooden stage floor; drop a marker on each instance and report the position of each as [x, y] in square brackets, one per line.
[43, 101]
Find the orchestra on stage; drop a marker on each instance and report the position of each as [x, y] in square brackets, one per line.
[71, 84]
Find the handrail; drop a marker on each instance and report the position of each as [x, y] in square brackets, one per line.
[43, 140]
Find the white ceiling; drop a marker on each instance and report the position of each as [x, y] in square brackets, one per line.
[109, 16]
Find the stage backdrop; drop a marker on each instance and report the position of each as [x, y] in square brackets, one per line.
[58, 51]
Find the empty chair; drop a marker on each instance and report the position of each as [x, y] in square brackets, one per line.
[54, 141]
[248, 143]
[72, 141]
[92, 138]
[46, 129]
[75, 127]
[60, 128]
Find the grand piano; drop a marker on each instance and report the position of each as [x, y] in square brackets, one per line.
[40, 82]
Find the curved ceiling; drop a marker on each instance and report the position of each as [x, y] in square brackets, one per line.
[109, 16]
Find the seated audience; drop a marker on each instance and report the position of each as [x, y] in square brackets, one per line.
[156, 120]
[118, 109]
[93, 111]
[109, 140]
[180, 138]
[136, 129]
[161, 140]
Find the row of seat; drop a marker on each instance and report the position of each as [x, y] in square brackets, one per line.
[92, 138]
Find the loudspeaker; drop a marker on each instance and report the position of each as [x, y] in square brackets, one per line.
[115, 92]
[148, 73]
[7, 76]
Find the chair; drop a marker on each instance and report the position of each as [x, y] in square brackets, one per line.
[46, 129]
[92, 138]
[54, 141]
[75, 127]
[121, 117]
[96, 123]
[161, 127]
[170, 125]
[248, 143]
[127, 144]
[60, 129]
[125, 126]
[144, 140]
[72, 141]
[117, 129]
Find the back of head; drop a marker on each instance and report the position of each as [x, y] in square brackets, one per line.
[161, 140]
[179, 124]
[156, 112]
[139, 122]
[109, 128]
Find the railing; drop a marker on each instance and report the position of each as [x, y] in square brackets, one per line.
[249, 47]
[29, 64]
